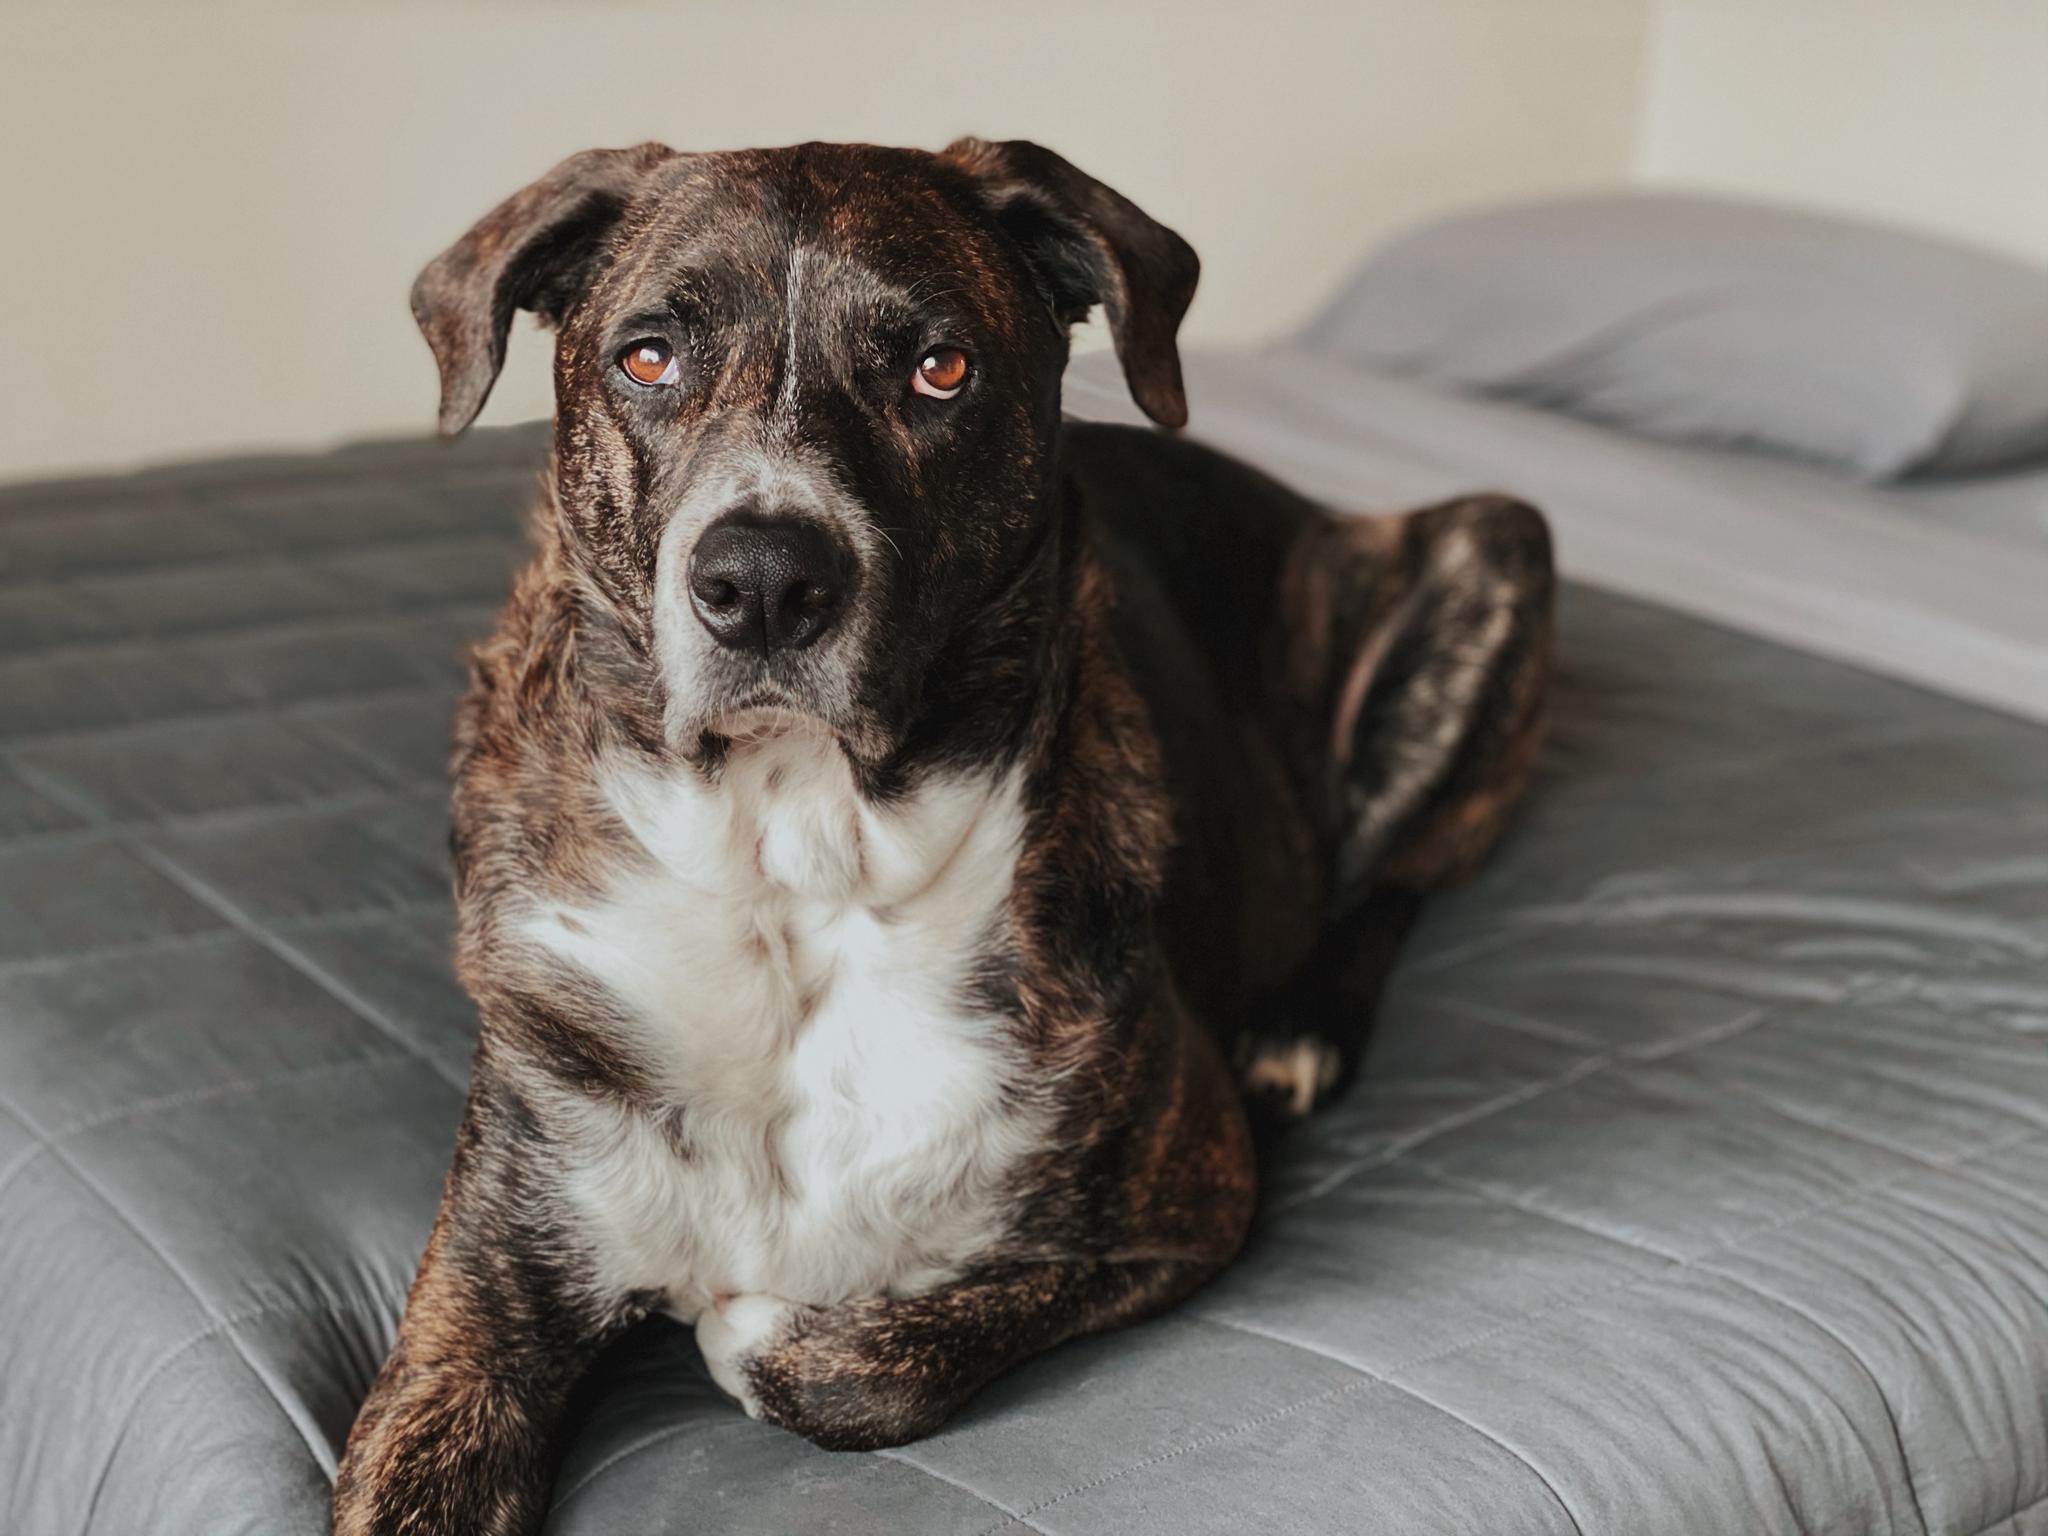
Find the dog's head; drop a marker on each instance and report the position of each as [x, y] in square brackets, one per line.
[807, 400]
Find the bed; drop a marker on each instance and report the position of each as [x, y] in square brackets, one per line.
[1697, 1181]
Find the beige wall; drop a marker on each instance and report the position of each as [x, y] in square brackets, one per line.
[1930, 112]
[212, 212]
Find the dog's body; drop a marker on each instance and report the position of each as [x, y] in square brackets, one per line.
[873, 980]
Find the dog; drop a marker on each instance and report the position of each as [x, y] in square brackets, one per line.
[903, 839]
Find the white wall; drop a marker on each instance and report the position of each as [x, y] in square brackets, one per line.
[210, 214]
[1927, 112]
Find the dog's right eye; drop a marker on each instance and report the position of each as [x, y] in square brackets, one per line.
[650, 361]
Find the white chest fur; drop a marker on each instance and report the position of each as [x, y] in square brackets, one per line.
[795, 964]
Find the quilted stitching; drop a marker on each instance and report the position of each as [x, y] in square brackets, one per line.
[1390, 1377]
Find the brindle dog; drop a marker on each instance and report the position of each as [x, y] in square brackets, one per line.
[898, 830]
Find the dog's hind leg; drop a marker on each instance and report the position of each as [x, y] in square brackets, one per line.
[1304, 1041]
[1422, 665]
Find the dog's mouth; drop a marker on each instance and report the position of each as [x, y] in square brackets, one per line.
[765, 715]
[755, 723]
[759, 715]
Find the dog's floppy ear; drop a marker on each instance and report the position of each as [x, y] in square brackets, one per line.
[1090, 245]
[533, 252]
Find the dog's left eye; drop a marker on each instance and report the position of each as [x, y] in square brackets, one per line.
[940, 373]
[650, 361]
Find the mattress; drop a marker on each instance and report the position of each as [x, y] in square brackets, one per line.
[2011, 506]
[1697, 1181]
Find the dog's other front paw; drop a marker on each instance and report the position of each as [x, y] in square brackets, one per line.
[735, 1333]
[838, 1376]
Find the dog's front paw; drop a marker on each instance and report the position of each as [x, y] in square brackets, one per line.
[737, 1333]
[444, 1452]
[839, 1376]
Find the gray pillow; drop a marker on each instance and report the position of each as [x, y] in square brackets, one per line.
[1703, 320]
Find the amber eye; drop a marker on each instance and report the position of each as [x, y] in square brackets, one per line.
[940, 373]
[650, 361]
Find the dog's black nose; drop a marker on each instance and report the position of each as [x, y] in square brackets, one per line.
[767, 583]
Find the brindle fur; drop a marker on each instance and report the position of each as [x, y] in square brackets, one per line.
[1252, 735]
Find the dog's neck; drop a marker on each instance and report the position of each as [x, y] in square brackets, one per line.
[992, 693]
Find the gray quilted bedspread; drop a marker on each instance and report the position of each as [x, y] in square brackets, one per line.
[1698, 1183]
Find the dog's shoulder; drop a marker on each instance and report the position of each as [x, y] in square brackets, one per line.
[1196, 542]
[1125, 471]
